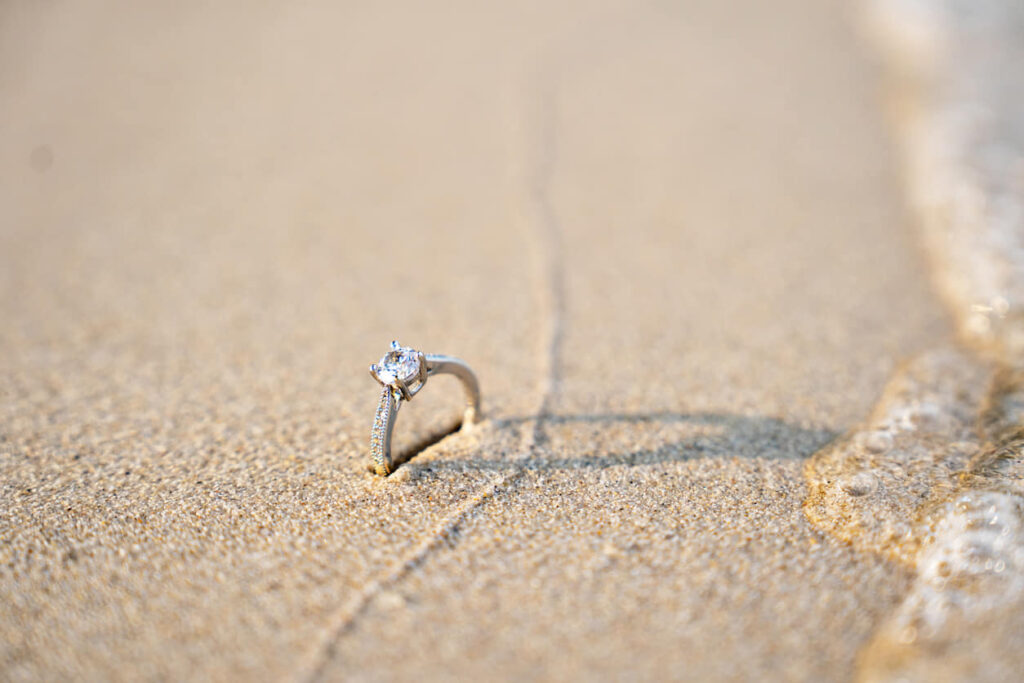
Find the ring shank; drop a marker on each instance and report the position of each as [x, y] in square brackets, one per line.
[448, 365]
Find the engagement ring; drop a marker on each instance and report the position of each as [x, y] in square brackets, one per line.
[402, 372]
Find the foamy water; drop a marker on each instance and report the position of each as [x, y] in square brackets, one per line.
[935, 477]
[961, 116]
[935, 480]
[871, 487]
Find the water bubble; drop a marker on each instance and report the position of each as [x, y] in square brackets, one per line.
[859, 484]
[878, 441]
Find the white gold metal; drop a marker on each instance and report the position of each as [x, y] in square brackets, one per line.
[396, 387]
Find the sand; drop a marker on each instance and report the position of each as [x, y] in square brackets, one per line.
[670, 240]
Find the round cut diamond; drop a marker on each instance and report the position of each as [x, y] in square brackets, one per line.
[400, 363]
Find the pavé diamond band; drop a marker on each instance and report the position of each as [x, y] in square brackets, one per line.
[402, 372]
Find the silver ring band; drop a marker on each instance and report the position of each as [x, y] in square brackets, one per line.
[402, 373]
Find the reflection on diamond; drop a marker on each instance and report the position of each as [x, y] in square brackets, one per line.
[401, 363]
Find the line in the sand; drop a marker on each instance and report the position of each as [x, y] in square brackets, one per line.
[346, 617]
[553, 306]
[550, 237]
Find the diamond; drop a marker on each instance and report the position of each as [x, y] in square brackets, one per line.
[400, 363]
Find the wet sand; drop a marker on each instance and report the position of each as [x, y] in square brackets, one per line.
[670, 241]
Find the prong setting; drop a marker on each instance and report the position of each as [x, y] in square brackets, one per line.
[423, 367]
[403, 369]
[404, 388]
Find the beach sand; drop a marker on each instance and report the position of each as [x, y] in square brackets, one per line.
[670, 240]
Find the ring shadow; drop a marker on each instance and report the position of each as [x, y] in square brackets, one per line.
[733, 436]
